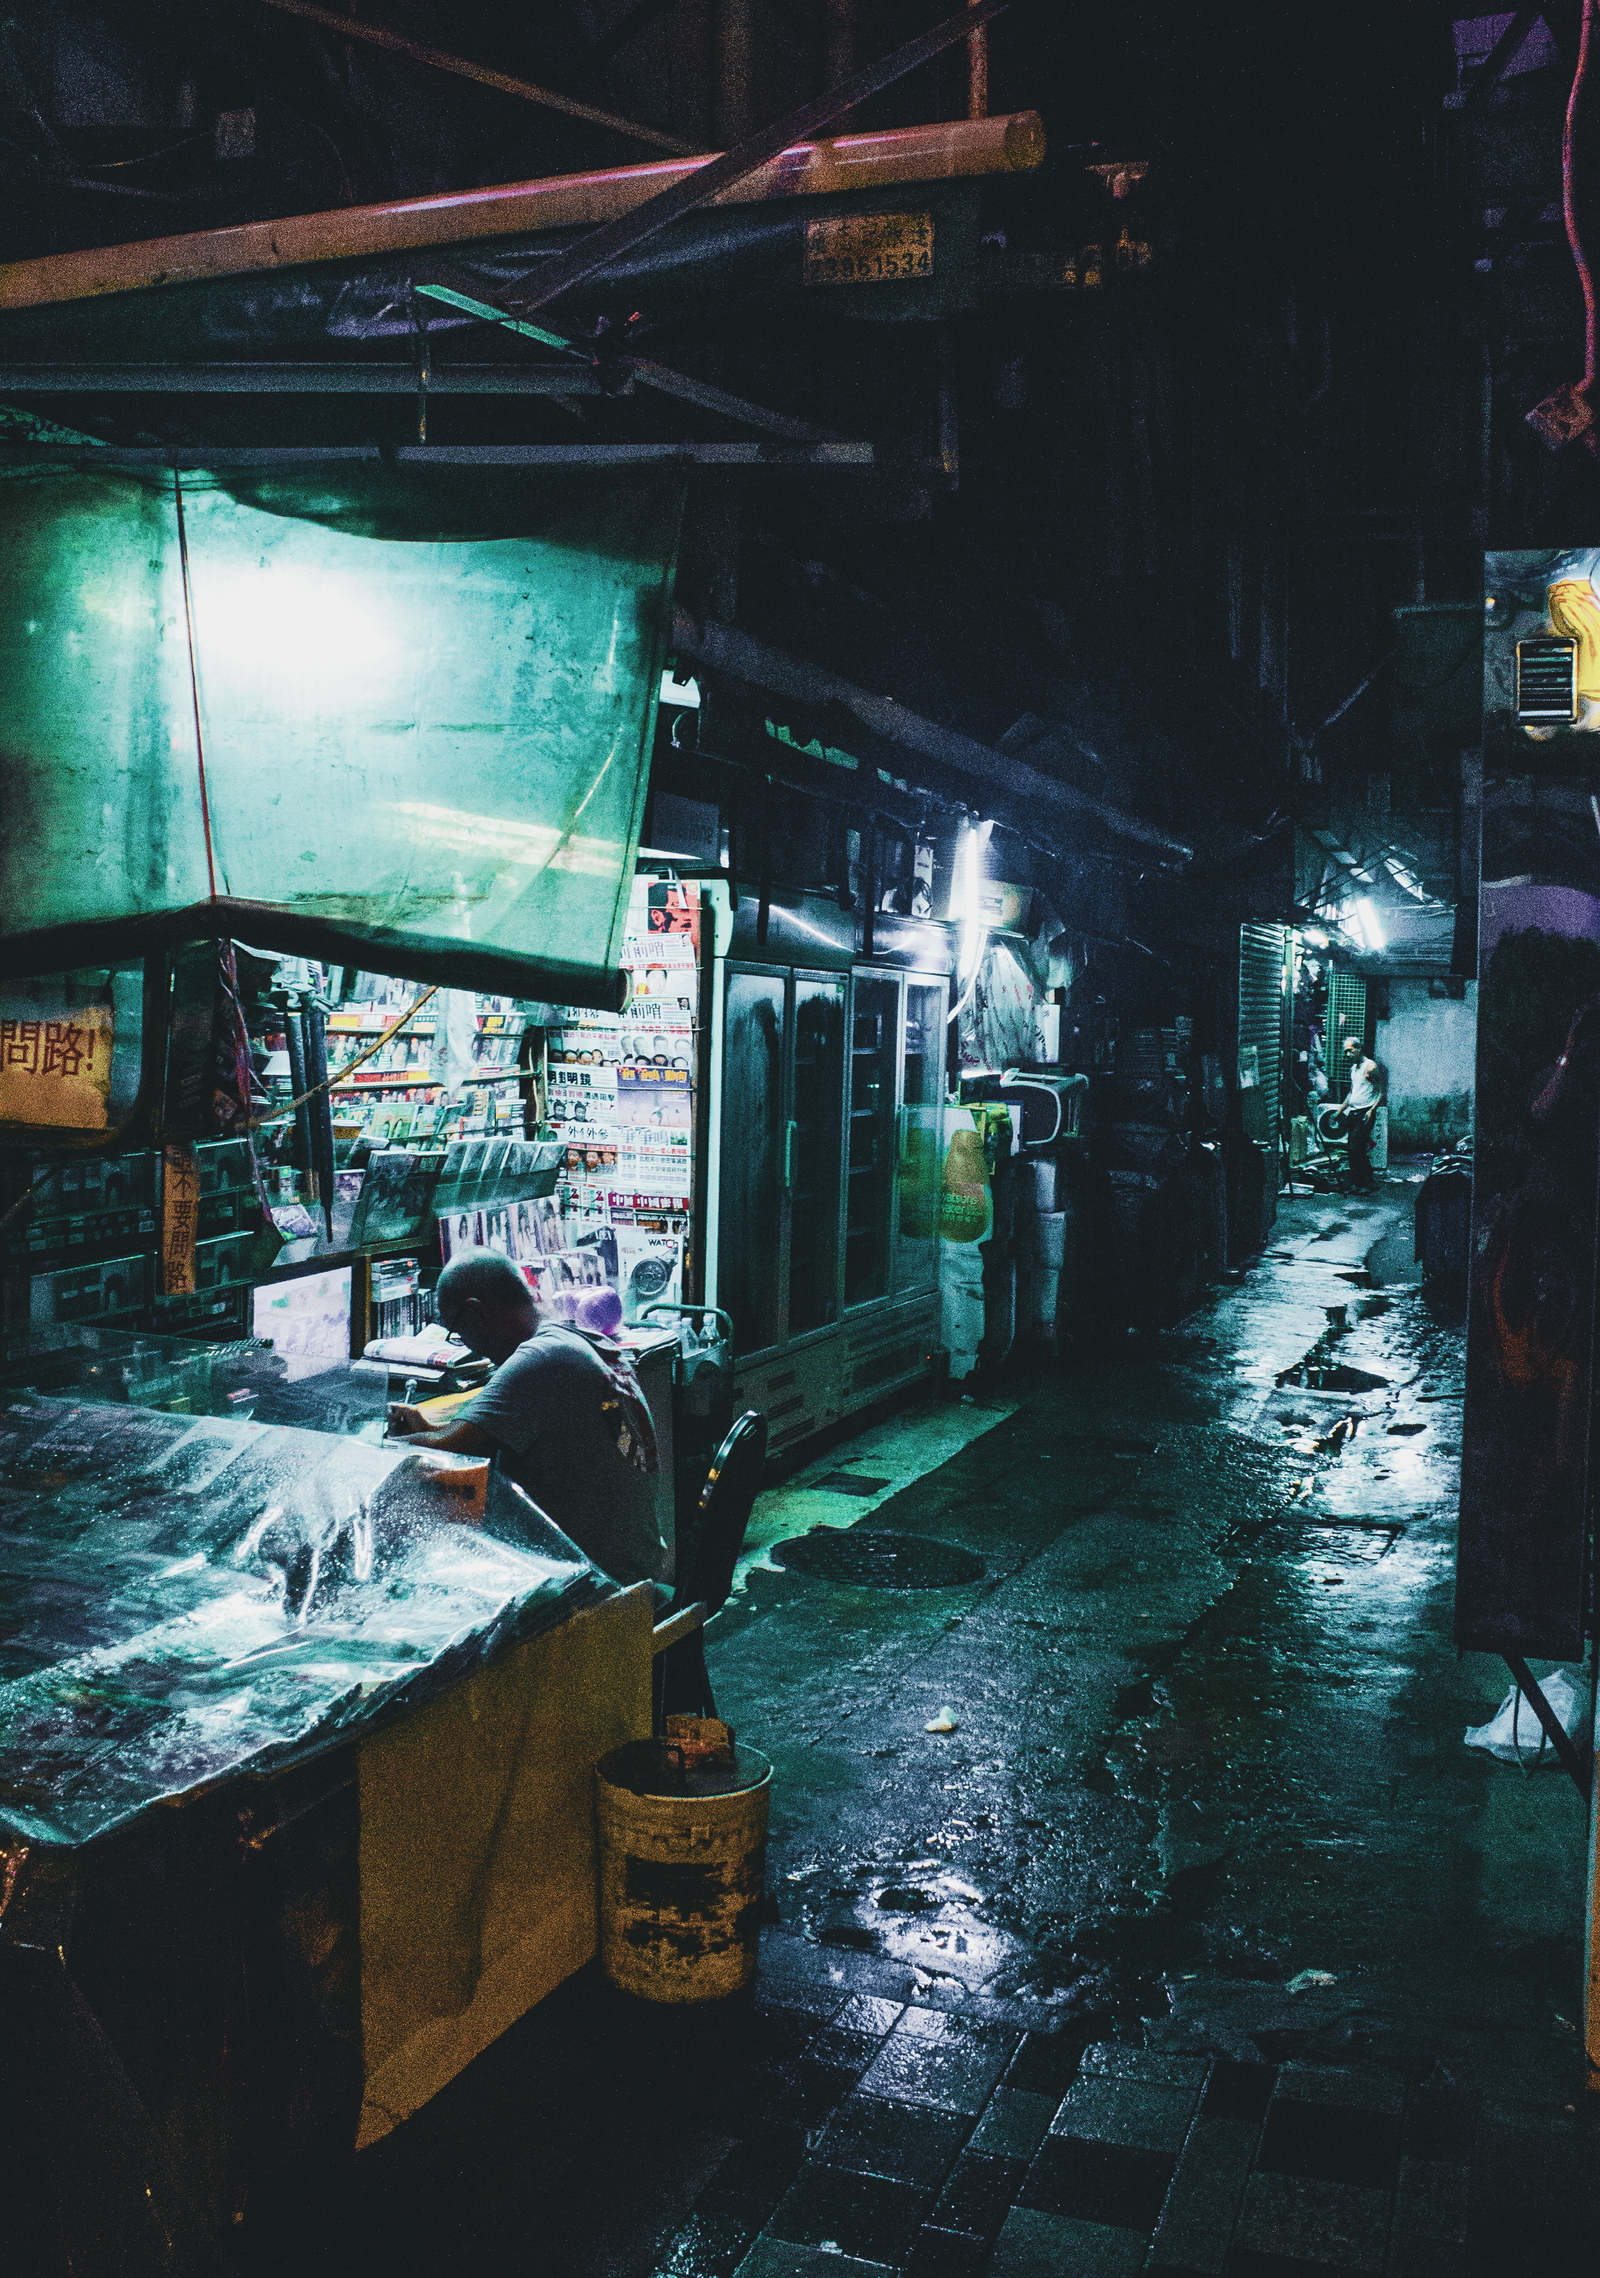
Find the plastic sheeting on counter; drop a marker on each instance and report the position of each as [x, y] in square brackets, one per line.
[183, 1599]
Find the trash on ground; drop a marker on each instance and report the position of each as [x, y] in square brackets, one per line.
[1308, 1978]
[1514, 1733]
[945, 1721]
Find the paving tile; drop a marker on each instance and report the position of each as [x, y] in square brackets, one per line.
[1331, 2144]
[713, 2243]
[811, 2092]
[1529, 2241]
[869, 2013]
[1207, 2190]
[1431, 2200]
[863, 2215]
[1170, 2070]
[776, 2258]
[1359, 2087]
[908, 2143]
[1098, 2182]
[979, 2194]
[835, 2044]
[946, 2254]
[1245, 2262]
[1319, 2222]
[1415, 2256]
[1126, 2112]
[1439, 2124]
[1037, 2245]
[932, 2058]
[763, 2163]
[795, 1975]
[1014, 2123]
[1238, 2091]
[1046, 2064]
[773, 2029]
[751, 2093]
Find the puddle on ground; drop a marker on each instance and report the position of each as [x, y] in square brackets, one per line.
[937, 1926]
[1324, 1375]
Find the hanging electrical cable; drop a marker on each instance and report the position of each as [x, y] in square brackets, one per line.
[1568, 415]
[1569, 199]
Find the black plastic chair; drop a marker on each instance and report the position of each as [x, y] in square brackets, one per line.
[705, 1570]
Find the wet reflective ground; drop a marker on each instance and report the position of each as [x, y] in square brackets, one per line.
[1208, 1713]
[1195, 1941]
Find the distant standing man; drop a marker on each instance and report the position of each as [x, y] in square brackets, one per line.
[1361, 1106]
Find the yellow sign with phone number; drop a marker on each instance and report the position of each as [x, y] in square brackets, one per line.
[868, 249]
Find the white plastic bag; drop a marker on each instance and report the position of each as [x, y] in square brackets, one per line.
[1514, 1733]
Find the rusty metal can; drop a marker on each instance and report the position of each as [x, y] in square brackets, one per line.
[682, 1857]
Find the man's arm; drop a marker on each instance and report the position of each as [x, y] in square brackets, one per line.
[461, 1437]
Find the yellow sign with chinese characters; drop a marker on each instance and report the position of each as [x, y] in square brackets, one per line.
[57, 1071]
[180, 1217]
[868, 249]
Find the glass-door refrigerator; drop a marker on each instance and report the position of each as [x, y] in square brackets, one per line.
[830, 1156]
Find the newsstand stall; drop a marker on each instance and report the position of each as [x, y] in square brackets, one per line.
[295, 1794]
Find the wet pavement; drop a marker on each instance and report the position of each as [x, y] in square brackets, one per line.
[1136, 1905]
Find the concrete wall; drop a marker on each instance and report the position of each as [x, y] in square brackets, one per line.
[1427, 1045]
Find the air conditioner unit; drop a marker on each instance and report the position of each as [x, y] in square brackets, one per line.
[1547, 681]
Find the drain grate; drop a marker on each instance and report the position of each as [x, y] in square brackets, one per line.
[879, 1560]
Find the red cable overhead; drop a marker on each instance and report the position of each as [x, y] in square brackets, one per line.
[1569, 202]
[1568, 416]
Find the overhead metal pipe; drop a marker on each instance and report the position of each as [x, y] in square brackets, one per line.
[612, 239]
[1012, 143]
[352, 28]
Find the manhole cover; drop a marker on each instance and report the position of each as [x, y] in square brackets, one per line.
[879, 1560]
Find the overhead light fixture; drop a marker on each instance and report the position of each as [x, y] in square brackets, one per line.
[1365, 919]
[1315, 935]
[966, 899]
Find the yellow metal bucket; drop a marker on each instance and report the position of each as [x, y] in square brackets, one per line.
[681, 1871]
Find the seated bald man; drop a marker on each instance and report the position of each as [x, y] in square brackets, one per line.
[563, 1412]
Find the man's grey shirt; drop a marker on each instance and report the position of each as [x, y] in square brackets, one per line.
[545, 1408]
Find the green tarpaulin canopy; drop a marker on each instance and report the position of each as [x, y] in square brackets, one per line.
[399, 718]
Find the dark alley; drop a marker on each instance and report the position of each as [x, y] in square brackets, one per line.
[1203, 1876]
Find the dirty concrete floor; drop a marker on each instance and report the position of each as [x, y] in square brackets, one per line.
[1199, 1943]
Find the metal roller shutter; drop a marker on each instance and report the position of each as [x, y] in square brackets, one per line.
[1263, 1035]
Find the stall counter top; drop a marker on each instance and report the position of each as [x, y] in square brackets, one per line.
[186, 1599]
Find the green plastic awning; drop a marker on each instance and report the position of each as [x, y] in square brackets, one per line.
[400, 718]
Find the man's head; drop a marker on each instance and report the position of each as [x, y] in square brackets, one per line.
[1352, 1050]
[483, 1298]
